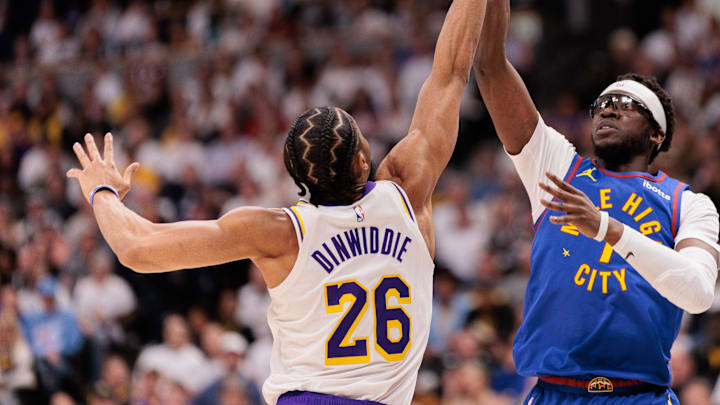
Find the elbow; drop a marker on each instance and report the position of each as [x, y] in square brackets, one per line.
[691, 288]
[703, 301]
[705, 295]
[133, 258]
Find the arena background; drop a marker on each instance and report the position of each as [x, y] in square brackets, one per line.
[201, 93]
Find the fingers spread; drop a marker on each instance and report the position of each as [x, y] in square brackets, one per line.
[92, 148]
[80, 153]
[109, 153]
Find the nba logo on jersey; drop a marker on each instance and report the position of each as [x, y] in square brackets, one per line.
[359, 213]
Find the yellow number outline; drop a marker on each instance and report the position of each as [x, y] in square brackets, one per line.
[331, 309]
[348, 341]
[393, 323]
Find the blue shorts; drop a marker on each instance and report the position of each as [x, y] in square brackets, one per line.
[314, 398]
[543, 394]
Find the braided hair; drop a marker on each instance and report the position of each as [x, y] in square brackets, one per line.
[318, 154]
[651, 83]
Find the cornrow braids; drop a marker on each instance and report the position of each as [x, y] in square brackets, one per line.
[290, 158]
[351, 150]
[318, 154]
[667, 104]
[326, 171]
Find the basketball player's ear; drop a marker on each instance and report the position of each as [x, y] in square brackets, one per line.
[364, 162]
[657, 136]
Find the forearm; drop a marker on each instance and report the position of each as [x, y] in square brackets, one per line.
[417, 161]
[442, 92]
[458, 40]
[491, 54]
[507, 99]
[146, 247]
[119, 225]
[686, 278]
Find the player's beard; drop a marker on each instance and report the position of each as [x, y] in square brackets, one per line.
[618, 154]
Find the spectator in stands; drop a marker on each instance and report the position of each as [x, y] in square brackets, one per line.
[54, 337]
[231, 380]
[115, 375]
[16, 358]
[253, 301]
[101, 301]
[176, 358]
[61, 398]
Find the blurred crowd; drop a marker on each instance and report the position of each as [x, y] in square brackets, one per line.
[201, 93]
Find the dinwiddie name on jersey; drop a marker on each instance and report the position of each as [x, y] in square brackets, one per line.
[361, 241]
[587, 276]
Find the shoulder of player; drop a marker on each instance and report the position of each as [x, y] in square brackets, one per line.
[254, 214]
[545, 147]
[697, 203]
[267, 226]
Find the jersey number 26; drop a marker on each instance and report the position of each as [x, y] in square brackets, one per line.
[338, 347]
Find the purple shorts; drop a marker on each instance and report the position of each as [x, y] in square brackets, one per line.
[314, 398]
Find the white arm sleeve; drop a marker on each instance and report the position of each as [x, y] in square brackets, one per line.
[546, 151]
[698, 219]
[685, 278]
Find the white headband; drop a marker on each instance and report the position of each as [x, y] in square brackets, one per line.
[642, 94]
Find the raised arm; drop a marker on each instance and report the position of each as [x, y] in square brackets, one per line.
[512, 110]
[417, 161]
[264, 235]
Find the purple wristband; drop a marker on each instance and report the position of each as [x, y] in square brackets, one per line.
[101, 188]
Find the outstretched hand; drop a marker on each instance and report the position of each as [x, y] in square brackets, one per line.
[579, 210]
[96, 170]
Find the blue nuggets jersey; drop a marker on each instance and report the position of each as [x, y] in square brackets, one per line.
[587, 311]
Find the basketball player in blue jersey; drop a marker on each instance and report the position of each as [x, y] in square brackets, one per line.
[349, 271]
[619, 250]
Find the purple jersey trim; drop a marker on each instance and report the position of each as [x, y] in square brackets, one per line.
[314, 398]
[297, 221]
[369, 187]
[407, 205]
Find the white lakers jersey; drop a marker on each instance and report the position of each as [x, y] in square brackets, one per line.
[353, 316]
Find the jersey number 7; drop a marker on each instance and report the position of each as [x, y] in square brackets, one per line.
[338, 347]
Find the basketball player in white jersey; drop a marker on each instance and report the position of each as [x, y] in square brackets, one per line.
[350, 270]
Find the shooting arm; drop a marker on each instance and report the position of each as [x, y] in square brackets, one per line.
[512, 110]
[419, 159]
